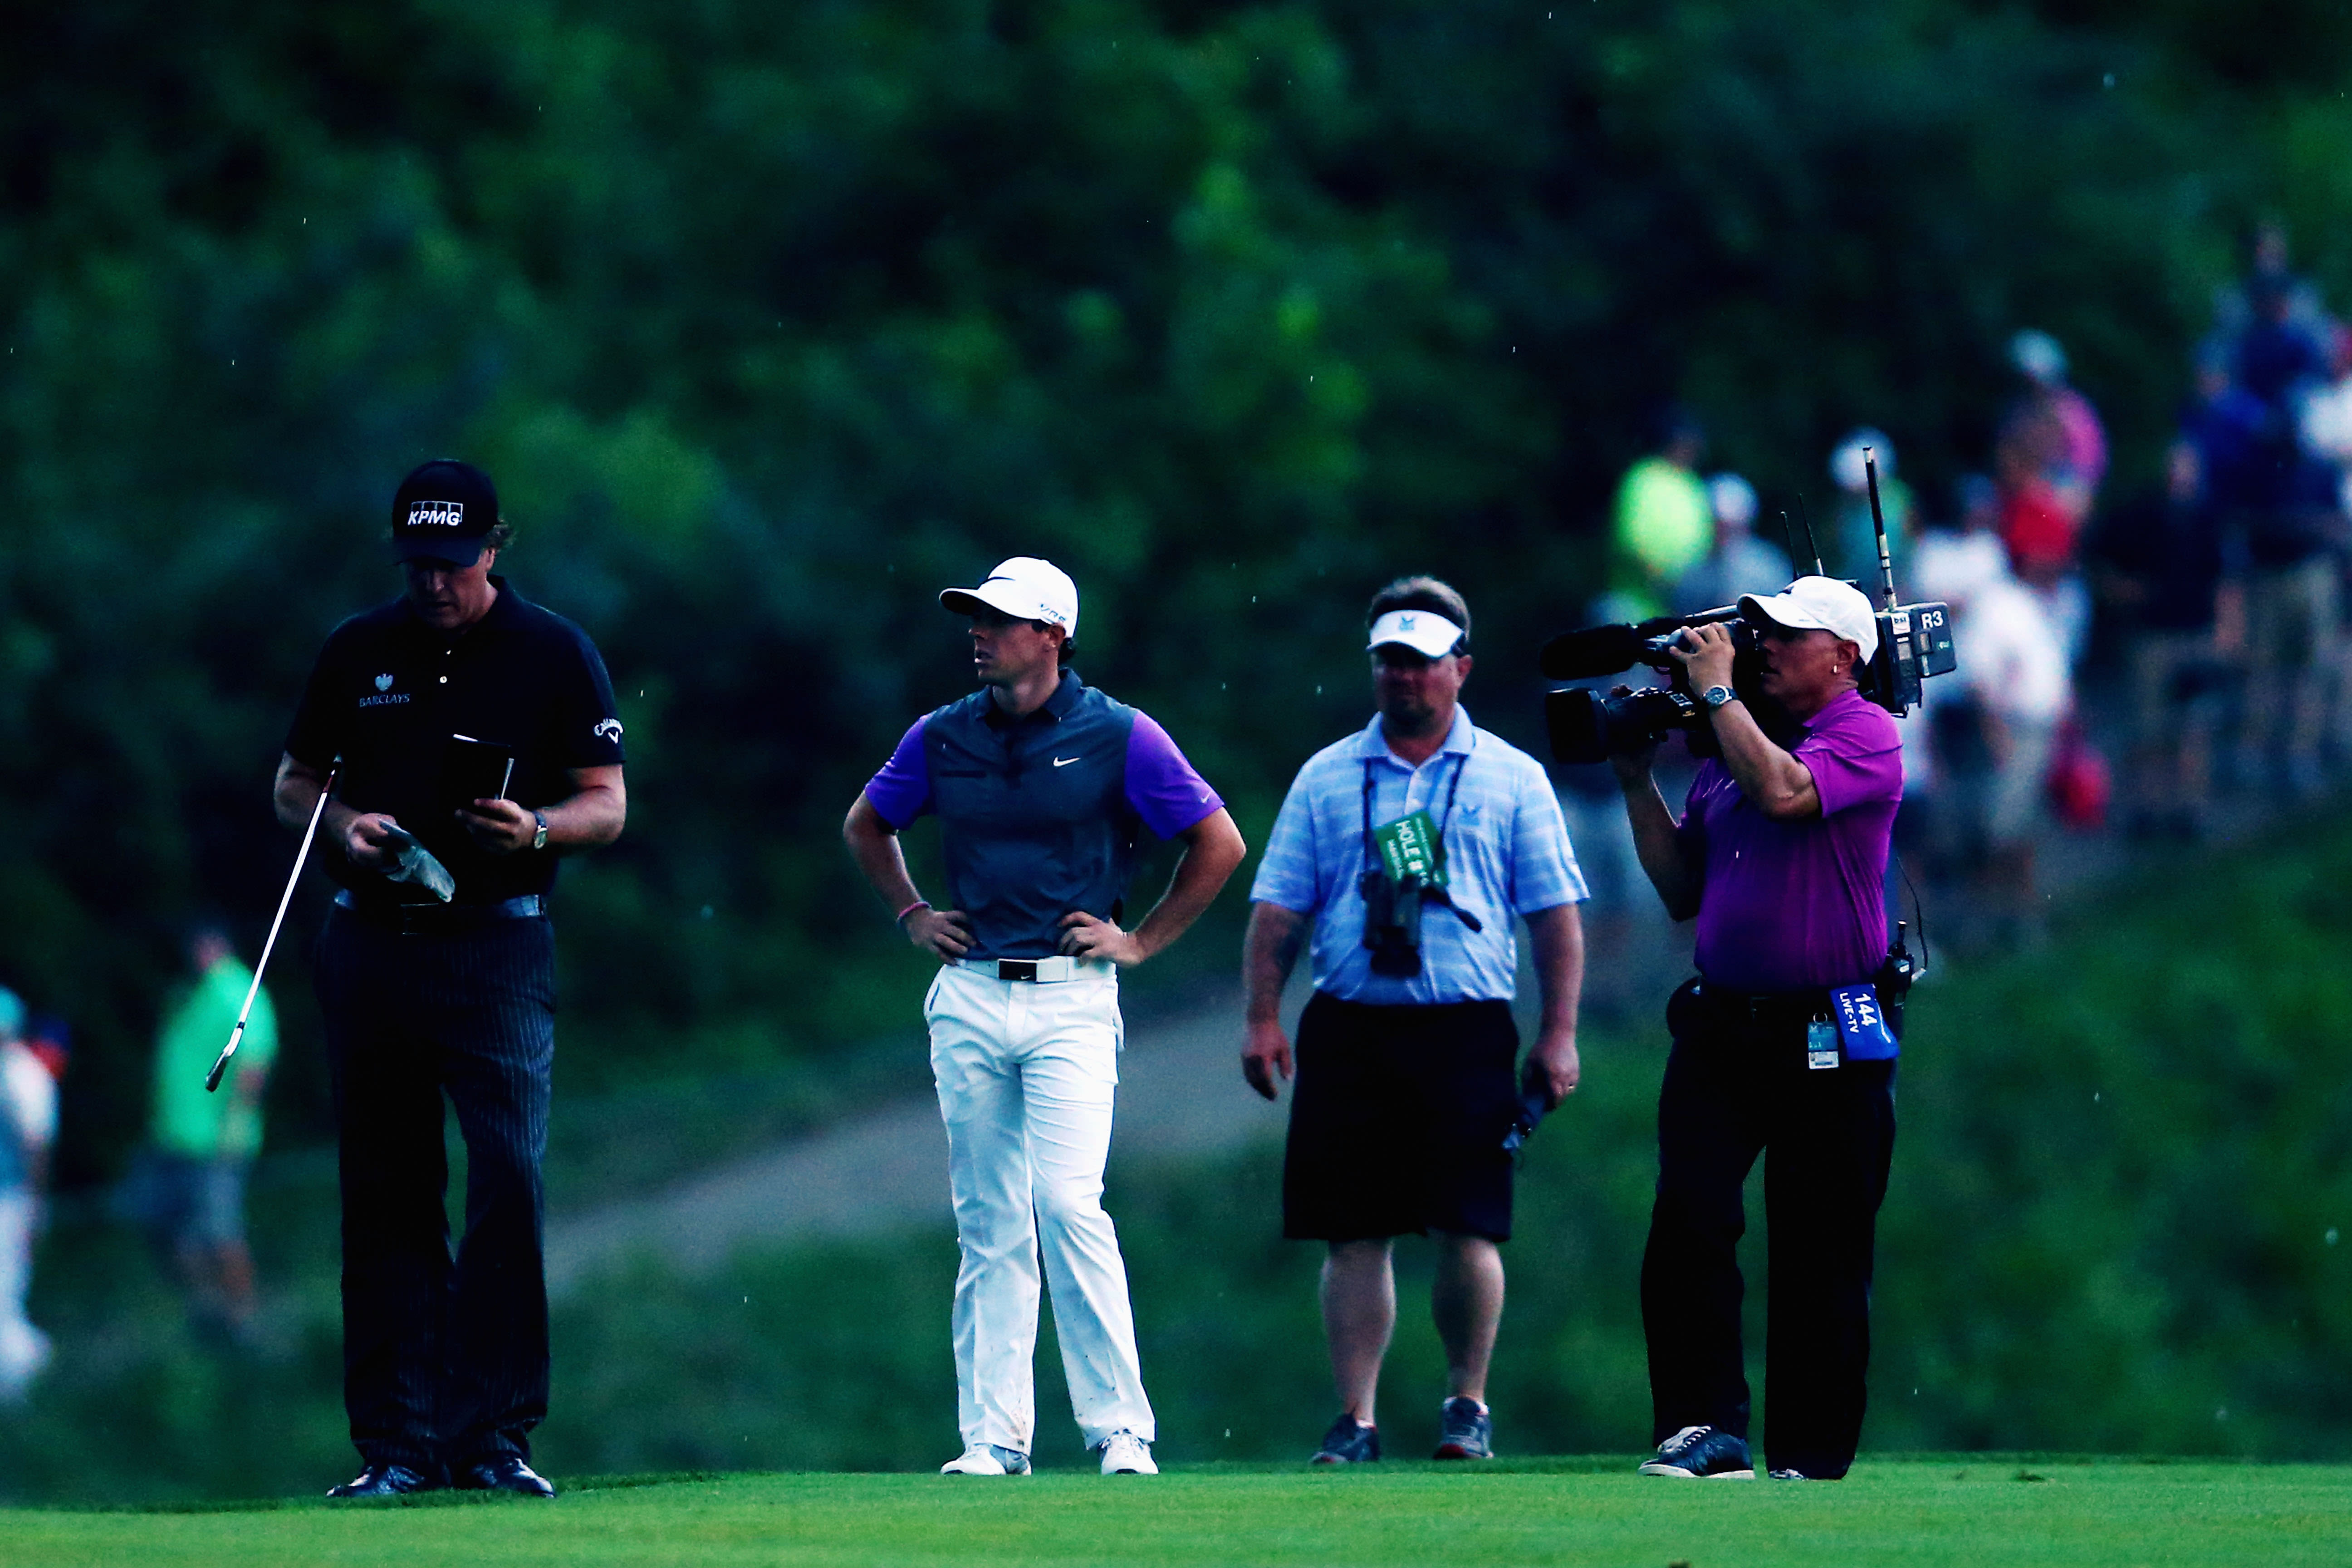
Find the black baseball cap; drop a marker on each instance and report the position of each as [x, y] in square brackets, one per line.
[444, 510]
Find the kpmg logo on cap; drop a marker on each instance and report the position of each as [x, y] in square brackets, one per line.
[436, 514]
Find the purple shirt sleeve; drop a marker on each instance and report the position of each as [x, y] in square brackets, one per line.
[1855, 758]
[1692, 830]
[1161, 785]
[901, 792]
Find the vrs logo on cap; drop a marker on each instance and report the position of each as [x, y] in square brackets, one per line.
[1024, 587]
[444, 510]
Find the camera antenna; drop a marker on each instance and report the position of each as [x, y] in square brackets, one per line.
[1878, 521]
[1812, 546]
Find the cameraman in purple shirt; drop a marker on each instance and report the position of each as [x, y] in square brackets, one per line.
[1780, 856]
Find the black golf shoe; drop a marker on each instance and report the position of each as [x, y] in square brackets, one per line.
[1350, 1442]
[1702, 1454]
[507, 1473]
[386, 1480]
[1466, 1430]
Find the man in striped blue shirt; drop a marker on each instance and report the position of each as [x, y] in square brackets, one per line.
[1406, 852]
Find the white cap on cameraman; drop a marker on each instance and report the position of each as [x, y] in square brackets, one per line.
[1025, 588]
[1819, 603]
[1425, 632]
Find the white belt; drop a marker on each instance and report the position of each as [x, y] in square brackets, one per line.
[1039, 970]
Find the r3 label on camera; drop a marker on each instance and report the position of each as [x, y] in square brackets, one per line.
[1820, 1044]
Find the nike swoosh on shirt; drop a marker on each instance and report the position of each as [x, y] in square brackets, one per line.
[1064, 762]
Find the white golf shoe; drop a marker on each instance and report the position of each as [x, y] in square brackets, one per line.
[987, 1459]
[1125, 1454]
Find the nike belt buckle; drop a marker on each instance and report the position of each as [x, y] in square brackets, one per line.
[1016, 969]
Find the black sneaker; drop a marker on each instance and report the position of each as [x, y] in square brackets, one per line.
[1466, 1430]
[1350, 1442]
[1702, 1452]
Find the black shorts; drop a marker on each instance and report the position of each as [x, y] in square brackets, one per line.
[1397, 1121]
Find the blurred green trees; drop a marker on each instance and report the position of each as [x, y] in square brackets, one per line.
[771, 319]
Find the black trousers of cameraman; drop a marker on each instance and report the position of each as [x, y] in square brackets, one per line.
[1737, 1085]
[444, 1359]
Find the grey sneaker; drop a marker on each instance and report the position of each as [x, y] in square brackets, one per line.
[1350, 1442]
[1702, 1452]
[1466, 1430]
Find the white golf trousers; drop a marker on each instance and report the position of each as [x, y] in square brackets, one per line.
[1027, 1075]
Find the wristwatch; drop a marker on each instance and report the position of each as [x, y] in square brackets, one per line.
[539, 840]
[1716, 696]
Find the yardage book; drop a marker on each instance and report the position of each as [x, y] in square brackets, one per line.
[474, 770]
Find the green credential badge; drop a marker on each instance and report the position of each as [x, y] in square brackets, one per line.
[1411, 846]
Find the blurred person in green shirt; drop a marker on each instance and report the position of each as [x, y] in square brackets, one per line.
[203, 1144]
[1664, 522]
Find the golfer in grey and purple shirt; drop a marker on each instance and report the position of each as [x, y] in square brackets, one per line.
[1043, 787]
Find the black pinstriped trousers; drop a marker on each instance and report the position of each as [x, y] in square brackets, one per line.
[444, 1360]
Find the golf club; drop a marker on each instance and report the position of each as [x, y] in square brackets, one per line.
[212, 1078]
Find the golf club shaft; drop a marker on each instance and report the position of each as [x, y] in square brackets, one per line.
[236, 1035]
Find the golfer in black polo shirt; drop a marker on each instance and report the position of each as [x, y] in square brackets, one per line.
[445, 1361]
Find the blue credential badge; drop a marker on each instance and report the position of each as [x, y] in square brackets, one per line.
[1861, 1025]
[1820, 1045]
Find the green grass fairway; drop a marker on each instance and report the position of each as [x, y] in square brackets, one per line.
[1973, 1510]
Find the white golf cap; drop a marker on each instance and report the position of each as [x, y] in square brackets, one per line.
[1425, 632]
[1025, 588]
[1819, 603]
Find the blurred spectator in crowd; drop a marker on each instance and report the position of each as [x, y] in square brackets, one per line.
[1663, 521]
[2325, 419]
[2286, 502]
[2226, 425]
[1854, 537]
[2277, 354]
[50, 1040]
[2049, 460]
[201, 1145]
[29, 1124]
[1739, 563]
[1944, 733]
[2041, 362]
[1967, 550]
[2268, 269]
[2163, 567]
[1998, 725]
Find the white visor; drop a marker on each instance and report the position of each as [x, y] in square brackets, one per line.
[1425, 632]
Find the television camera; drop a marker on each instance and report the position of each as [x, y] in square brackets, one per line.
[1914, 642]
